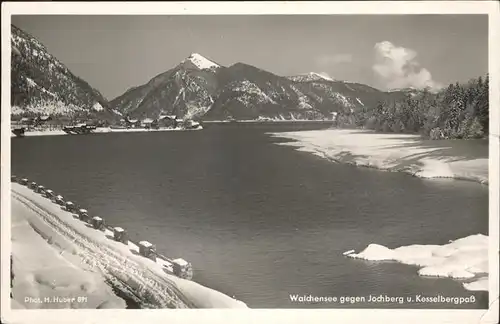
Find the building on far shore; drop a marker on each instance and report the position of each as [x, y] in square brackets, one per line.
[42, 121]
[148, 123]
[169, 121]
[131, 123]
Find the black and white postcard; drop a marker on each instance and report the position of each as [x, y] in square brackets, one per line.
[290, 161]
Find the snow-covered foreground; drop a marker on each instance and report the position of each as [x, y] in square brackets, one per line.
[44, 270]
[390, 152]
[465, 258]
[107, 130]
[79, 261]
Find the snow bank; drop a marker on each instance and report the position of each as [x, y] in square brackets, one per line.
[263, 120]
[390, 152]
[48, 269]
[465, 258]
[148, 283]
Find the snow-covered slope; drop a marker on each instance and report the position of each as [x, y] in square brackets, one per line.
[200, 88]
[92, 253]
[41, 84]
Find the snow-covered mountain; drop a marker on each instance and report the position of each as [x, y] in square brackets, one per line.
[42, 85]
[311, 76]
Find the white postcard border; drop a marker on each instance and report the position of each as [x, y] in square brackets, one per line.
[255, 315]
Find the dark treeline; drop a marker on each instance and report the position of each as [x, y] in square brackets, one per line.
[458, 111]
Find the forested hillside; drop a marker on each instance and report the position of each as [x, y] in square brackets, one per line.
[458, 111]
[42, 85]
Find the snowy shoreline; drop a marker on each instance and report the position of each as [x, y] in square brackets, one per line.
[386, 152]
[106, 130]
[56, 254]
[462, 259]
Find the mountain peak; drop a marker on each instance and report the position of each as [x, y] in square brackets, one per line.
[200, 61]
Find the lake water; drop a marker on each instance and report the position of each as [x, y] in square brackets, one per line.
[257, 220]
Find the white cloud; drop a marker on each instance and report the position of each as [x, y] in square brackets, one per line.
[334, 59]
[396, 67]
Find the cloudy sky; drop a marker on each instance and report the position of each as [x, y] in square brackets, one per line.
[114, 53]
